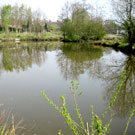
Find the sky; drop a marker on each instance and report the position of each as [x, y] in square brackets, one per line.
[51, 8]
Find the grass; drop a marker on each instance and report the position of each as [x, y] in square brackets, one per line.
[113, 41]
[96, 125]
[7, 124]
[109, 40]
[6, 128]
[55, 36]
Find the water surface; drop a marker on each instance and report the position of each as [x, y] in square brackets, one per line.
[28, 68]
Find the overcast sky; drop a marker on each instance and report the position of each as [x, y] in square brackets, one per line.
[51, 8]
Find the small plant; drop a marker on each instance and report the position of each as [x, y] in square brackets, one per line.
[96, 125]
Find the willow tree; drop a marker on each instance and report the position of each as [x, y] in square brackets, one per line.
[125, 12]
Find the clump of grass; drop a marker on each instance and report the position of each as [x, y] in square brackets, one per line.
[7, 124]
[96, 125]
[5, 127]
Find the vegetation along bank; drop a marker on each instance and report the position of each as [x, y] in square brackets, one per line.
[77, 23]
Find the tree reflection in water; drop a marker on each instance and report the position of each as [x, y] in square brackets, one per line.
[20, 57]
[111, 73]
[75, 59]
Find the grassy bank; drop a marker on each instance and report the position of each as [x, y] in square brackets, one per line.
[112, 41]
[44, 36]
[116, 42]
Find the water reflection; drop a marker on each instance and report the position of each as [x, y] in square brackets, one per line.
[75, 59]
[111, 73]
[108, 65]
[69, 61]
[22, 56]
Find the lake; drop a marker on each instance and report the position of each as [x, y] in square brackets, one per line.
[26, 69]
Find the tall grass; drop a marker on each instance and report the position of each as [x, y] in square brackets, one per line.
[96, 125]
[7, 124]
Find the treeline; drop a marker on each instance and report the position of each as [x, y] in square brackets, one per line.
[78, 23]
[21, 19]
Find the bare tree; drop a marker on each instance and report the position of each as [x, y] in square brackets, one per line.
[125, 12]
[66, 11]
[37, 21]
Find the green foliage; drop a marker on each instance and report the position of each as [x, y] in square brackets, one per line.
[91, 30]
[50, 36]
[97, 126]
[92, 121]
[52, 27]
[96, 29]
[80, 25]
[46, 27]
[6, 16]
[74, 91]
[67, 30]
[29, 18]
[59, 133]
[63, 110]
[79, 128]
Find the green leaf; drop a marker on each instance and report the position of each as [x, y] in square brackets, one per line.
[80, 93]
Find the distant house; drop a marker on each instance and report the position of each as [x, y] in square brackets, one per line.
[43, 25]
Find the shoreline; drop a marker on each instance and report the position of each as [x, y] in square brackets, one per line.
[111, 42]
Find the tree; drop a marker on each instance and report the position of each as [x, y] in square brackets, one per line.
[46, 27]
[110, 27]
[52, 27]
[77, 23]
[15, 17]
[22, 17]
[6, 16]
[37, 21]
[29, 19]
[125, 11]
